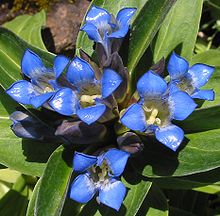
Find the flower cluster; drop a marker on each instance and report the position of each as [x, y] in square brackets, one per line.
[90, 99]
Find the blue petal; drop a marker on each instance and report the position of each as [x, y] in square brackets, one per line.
[171, 136]
[204, 95]
[82, 189]
[110, 82]
[116, 160]
[64, 102]
[123, 17]
[31, 62]
[181, 105]
[21, 91]
[200, 74]
[173, 88]
[39, 100]
[113, 194]
[60, 62]
[91, 114]
[80, 72]
[177, 66]
[134, 118]
[92, 32]
[82, 162]
[97, 16]
[151, 85]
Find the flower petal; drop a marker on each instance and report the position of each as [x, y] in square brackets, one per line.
[82, 162]
[21, 91]
[151, 85]
[64, 102]
[91, 114]
[97, 15]
[82, 189]
[200, 74]
[181, 105]
[134, 118]
[177, 66]
[80, 72]
[31, 62]
[123, 17]
[60, 62]
[204, 95]
[39, 100]
[92, 32]
[110, 82]
[113, 194]
[116, 160]
[171, 136]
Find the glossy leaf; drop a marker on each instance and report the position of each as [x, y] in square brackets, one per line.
[201, 120]
[31, 204]
[25, 156]
[155, 203]
[199, 152]
[113, 7]
[12, 49]
[54, 185]
[144, 29]
[210, 57]
[179, 29]
[28, 28]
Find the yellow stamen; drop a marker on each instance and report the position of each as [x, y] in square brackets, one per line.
[153, 116]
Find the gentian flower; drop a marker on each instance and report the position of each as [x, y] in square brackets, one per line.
[85, 98]
[100, 175]
[190, 79]
[156, 108]
[101, 26]
[42, 81]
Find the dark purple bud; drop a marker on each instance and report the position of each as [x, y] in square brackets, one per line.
[130, 142]
[159, 67]
[25, 125]
[88, 59]
[111, 109]
[78, 132]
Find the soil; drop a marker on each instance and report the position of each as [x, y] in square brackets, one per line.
[63, 22]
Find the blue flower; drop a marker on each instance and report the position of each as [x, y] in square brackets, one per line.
[190, 79]
[42, 81]
[100, 174]
[156, 108]
[101, 26]
[85, 97]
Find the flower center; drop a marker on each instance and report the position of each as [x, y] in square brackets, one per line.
[156, 112]
[88, 100]
[185, 84]
[100, 175]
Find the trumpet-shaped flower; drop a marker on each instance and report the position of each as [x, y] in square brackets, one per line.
[101, 26]
[190, 79]
[156, 108]
[85, 99]
[100, 175]
[42, 81]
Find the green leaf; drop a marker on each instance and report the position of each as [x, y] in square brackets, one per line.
[210, 57]
[144, 29]
[32, 202]
[28, 28]
[201, 120]
[199, 152]
[189, 182]
[155, 203]
[179, 29]
[12, 49]
[113, 7]
[54, 185]
[210, 189]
